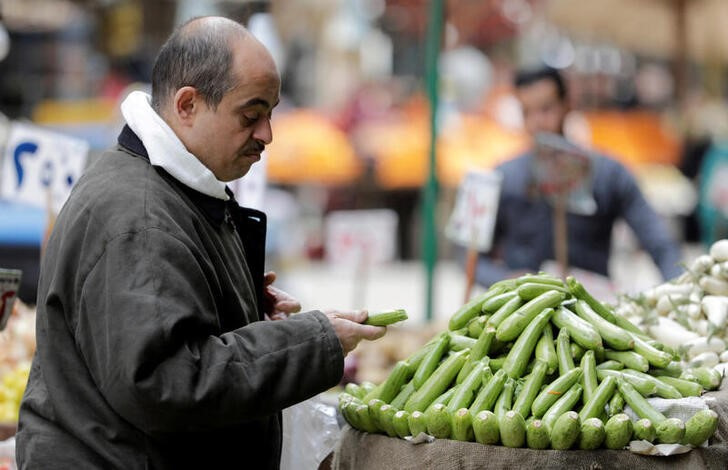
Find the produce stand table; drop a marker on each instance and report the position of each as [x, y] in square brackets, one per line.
[362, 451]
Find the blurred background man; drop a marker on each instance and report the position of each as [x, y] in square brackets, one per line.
[524, 230]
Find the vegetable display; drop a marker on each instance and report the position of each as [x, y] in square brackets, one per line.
[536, 362]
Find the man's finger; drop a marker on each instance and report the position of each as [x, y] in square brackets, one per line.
[372, 332]
[269, 278]
[357, 316]
[288, 306]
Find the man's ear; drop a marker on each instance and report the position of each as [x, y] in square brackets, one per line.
[185, 105]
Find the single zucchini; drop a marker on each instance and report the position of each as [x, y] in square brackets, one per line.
[494, 303]
[565, 403]
[645, 387]
[553, 391]
[708, 377]
[462, 425]
[366, 387]
[465, 392]
[580, 330]
[686, 388]
[537, 435]
[505, 311]
[611, 365]
[399, 376]
[522, 349]
[505, 399]
[374, 406]
[531, 290]
[417, 423]
[589, 380]
[653, 355]
[578, 291]
[673, 369]
[630, 359]
[438, 422]
[545, 350]
[489, 393]
[618, 431]
[386, 318]
[460, 342]
[431, 360]
[563, 352]
[530, 389]
[400, 421]
[700, 427]
[594, 406]
[614, 336]
[565, 431]
[354, 390]
[670, 431]
[663, 389]
[540, 279]
[592, 434]
[485, 428]
[512, 429]
[513, 325]
[480, 349]
[638, 403]
[616, 404]
[437, 382]
[644, 430]
[386, 416]
[404, 395]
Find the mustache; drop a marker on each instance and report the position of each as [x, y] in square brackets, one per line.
[255, 147]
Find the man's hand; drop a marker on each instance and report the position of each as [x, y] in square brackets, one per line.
[349, 329]
[278, 304]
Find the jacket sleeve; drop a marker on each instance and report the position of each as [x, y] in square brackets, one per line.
[150, 340]
[647, 225]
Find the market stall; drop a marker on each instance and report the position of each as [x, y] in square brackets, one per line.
[538, 372]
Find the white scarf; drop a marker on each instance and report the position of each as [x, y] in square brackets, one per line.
[165, 149]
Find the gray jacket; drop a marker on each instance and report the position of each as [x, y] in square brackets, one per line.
[150, 350]
[524, 234]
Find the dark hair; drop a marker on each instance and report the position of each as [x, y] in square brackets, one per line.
[199, 56]
[530, 76]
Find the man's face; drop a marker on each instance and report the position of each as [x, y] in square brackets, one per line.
[543, 110]
[230, 138]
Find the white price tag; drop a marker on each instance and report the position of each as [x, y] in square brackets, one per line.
[472, 221]
[9, 285]
[40, 164]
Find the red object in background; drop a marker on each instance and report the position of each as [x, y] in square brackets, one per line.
[478, 22]
[351, 365]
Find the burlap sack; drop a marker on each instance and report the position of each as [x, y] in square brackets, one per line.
[362, 451]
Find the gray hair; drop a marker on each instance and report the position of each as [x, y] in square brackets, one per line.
[197, 54]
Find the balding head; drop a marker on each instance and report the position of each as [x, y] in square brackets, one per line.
[198, 54]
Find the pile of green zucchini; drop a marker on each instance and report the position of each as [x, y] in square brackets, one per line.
[535, 362]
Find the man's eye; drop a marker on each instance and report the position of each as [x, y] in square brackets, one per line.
[249, 119]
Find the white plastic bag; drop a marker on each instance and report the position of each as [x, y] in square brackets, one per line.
[310, 432]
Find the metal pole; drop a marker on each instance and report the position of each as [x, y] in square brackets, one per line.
[432, 52]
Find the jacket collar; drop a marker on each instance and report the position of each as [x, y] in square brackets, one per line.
[213, 208]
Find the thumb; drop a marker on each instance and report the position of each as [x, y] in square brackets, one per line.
[356, 316]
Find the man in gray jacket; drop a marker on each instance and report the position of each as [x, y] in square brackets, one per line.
[524, 233]
[152, 352]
